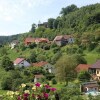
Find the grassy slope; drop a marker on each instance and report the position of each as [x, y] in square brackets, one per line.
[91, 57]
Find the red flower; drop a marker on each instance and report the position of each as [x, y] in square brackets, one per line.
[47, 86]
[19, 98]
[53, 89]
[25, 96]
[37, 84]
[46, 95]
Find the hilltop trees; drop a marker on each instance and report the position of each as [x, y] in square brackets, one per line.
[50, 23]
[33, 28]
[68, 9]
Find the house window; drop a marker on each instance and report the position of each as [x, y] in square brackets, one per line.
[97, 72]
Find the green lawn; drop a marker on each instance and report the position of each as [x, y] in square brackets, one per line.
[3, 92]
[91, 57]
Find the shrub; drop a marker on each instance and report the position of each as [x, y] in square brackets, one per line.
[54, 81]
[49, 76]
[6, 83]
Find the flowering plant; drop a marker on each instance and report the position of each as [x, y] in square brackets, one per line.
[35, 91]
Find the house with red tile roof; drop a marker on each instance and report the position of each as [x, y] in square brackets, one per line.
[94, 69]
[21, 62]
[31, 40]
[62, 40]
[82, 67]
[45, 65]
[41, 40]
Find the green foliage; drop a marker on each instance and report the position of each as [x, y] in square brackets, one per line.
[72, 91]
[33, 45]
[68, 9]
[64, 66]
[50, 23]
[98, 49]
[6, 83]
[41, 57]
[32, 57]
[54, 81]
[33, 28]
[22, 47]
[36, 70]
[84, 76]
[3, 51]
[13, 81]
[79, 59]
[7, 64]
[49, 76]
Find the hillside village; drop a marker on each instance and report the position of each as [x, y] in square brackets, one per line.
[55, 54]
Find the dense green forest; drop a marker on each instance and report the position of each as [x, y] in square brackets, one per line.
[71, 20]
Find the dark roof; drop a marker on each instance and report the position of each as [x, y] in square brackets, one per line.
[96, 65]
[90, 84]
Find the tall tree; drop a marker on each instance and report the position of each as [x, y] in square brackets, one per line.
[33, 28]
[65, 68]
[50, 23]
[68, 9]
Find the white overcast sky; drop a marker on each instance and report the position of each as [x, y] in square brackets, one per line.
[17, 16]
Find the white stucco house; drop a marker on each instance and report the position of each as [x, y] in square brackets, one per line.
[21, 62]
[13, 44]
[45, 65]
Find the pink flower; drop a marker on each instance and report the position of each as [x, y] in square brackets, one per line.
[37, 84]
[46, 95]
[19, 98]
[47, 86]
[25, 95]
[53, 89]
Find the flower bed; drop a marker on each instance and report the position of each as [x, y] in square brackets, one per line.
[33, 92]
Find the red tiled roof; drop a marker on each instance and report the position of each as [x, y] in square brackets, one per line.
[40, 64]
[18, 60]
[82, 67]
[60, 37]
[96, 65]
[39, 76]
[41, 40]
[29, 39]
